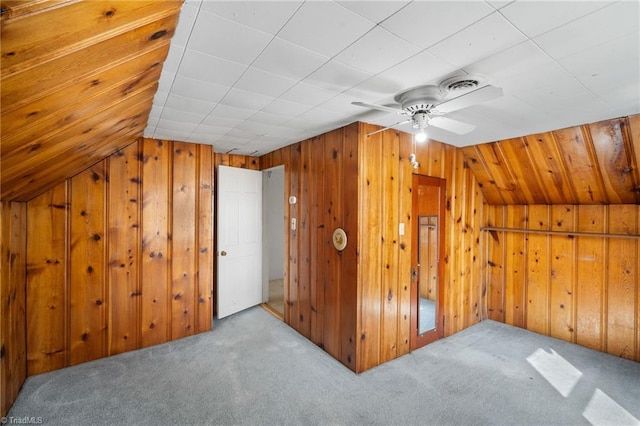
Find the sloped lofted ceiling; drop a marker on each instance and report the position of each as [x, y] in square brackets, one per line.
[78, 79]
[589, 164]
[82, 79]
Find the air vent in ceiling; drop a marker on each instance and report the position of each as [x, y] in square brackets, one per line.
[462, 83]
[465, 84]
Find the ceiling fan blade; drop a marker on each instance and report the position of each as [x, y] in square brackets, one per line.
[388, 127]
[379, 107]
[451, 125]
[480, 95]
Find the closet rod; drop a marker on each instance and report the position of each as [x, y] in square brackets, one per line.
[572, 234]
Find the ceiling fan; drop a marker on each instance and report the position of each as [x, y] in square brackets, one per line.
[425, 105]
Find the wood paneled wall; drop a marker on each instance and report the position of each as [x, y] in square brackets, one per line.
[321, 289]
[355, 303]
[579, 288]
[74, 93]
[596, 163]
[120, 256]
[385, 258]
[13, 258]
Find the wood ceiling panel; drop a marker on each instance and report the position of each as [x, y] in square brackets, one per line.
[95, 148]
[12, 9]
[31, 42]
[579, 156]
[500, 172]
[525, 173]
[76, 91]
[590, 164]
[544, 154]
[634, 147]
[614, 160]
[25, 160]
[63, 102]
[87, 106]
[476, 162]
[27, 86]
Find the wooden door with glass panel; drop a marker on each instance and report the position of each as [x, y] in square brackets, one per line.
[427, 267]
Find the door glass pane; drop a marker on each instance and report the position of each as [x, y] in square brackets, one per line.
[428, 273]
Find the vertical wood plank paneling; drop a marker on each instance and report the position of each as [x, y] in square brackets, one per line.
[183, 239]
[222, 159]
[294, 241]
[622, 282]
[637, 298]
[537, 281]
[404, 244]
[370, 238]
[156, 176]
[495, 275]
[332, 214]
[562, 255]
[591, 273]
[123, 267]
[451, 297]
[15, 352]
[304, 296]
[6, 400]
[476, 253]
[592, 293]
[316, 239]
[515, 267]
[352, 287]
[13, 361]
[470, 289]
[349, 256]
[88, 325]
[47, 281]
[204, 294]
[99, 263]
[283, 156]
[390, 267]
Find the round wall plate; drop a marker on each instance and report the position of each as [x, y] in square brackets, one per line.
[339, 239]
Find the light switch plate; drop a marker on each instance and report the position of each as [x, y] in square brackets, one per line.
[401, 229]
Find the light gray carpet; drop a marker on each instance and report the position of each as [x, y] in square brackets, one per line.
[253, 369]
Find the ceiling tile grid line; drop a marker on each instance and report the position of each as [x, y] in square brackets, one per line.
[303, 112]
[558, 62]
[337, 94]
[258, 56]
[298, 81]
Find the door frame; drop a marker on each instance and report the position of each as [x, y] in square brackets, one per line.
[246, 290]
[416, 340]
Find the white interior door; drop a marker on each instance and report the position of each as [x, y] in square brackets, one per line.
[239, 239]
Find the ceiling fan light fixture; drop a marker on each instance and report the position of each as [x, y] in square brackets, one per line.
[420, 136]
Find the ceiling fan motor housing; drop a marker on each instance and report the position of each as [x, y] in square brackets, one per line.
[419, 99]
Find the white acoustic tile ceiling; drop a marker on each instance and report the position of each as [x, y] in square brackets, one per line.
[251, 77]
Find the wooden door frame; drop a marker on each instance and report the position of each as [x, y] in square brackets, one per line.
[417, 341]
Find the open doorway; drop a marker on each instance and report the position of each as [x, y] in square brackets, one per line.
[273, 240]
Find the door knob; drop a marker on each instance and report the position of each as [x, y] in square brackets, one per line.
[223, 253]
